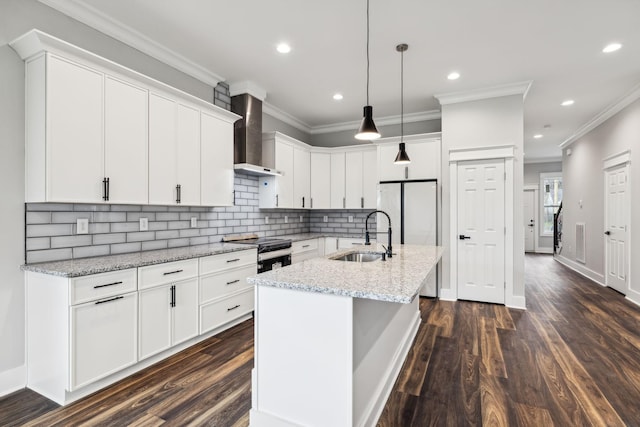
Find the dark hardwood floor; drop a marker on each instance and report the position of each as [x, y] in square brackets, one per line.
[571, 359]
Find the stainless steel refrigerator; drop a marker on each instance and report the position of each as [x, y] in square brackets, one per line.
[412, 206]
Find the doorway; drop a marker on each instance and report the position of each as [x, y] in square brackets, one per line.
[481, 230]
[616, 227]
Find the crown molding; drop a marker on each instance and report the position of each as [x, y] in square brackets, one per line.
[249, 87]
[380, 121]
[419, 137]
[603, 116]
[520, 88]
[283, 116]
[92, 17]
[553, 159]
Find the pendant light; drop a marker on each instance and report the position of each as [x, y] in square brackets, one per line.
[367, 130]
[402, 158]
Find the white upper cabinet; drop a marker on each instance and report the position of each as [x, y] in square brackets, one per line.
[301, 178]
[163, 174]
[188, 155]
[360, 179]
[337, 180]
[100, 132]
[64, 132]
[284, 163]
[424, 153]
[125, 134]
[216, 161]
[370, 179]
[320, 180]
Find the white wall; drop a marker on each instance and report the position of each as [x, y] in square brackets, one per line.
[489, 122]
[583, 179]
[532, 173]
[16, 18]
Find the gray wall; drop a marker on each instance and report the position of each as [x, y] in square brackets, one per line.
[16, 18]
[583, 179]
[271, 124]
[490, 122]
[532, 173]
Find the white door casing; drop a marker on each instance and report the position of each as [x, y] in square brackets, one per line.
[481, 230]
[529, 198]
[617, 209]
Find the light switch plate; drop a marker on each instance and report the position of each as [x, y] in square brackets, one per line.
[266, 220]
[194, 222]
[82, 226]
[300, 218]
[144, 224]
[325, 218]
[286, 219]
[350, 218]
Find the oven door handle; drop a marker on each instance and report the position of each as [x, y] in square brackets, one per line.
[274, 254]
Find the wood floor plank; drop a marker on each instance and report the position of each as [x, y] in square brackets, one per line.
[503, 317]
[442, 315]
[491, 352]
[496, 406]
[147, 420]
[399, 410]
[530, 416]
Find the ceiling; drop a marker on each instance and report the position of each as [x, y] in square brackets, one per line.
[555, 44]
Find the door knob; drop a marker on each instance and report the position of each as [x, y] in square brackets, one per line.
[463, 237]
[608, 233]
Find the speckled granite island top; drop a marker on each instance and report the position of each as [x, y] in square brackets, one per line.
[103, 264]
[397, 279]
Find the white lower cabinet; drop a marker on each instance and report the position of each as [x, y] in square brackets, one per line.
[103, 338]
[217, 313]
[304, 249]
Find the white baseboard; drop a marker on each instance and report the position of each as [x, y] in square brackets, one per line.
[13, 380]
[517, 302]
[543, 250]
[633, 296]
[581, 269]
[448, 295]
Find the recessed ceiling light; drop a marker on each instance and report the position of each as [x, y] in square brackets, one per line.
[284, 48]
[538, 136]
[612, 47]
[338, 96]
[453, 75]
[567, 102]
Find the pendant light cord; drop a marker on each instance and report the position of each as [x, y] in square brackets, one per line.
[402, 96]
[367, 52]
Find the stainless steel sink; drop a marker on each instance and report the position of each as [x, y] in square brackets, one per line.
[359, 257]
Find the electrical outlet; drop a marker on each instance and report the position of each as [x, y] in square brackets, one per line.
[300, 218]
[82, 226]
[144, 224]
[194, 222]
[286, 219]
[350, 218]
[266, 220]
[325, 219]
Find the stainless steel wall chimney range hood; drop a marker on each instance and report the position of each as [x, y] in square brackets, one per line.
[247, 141]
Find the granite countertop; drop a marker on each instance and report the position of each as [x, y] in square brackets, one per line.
[397, 279]
[103, 264]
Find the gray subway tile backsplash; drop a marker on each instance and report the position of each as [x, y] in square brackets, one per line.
[115, 229]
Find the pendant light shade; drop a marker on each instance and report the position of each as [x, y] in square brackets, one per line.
[368, 130]
[402, 158]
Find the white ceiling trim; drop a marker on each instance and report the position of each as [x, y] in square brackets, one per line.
[553, 159]
[103, 23]
[283, 116]
[249, 87]
[603, 116]
[520, 88]
[380, 121]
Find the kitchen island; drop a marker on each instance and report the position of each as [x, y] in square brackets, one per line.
[331, 336]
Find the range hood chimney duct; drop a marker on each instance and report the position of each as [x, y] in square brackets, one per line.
[247, 138]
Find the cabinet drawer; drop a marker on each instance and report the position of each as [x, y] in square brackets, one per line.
[223, 311]
[304, 246]
[169, 272]
[103, 285]
[215, 263]
[221, 284]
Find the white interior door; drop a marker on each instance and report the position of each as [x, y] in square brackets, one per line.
[529, 216]
[616, 220]
[481, 231]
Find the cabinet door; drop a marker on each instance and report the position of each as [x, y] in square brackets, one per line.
[185, 311]
[162, 151]
[330, 245]
[425, 158]
[75, 165]
[154, 320]
[284, 183]
[188, 155]
[320, 175]
[353, 180]
[337, 180]
[370, 179]
[216, 163]
[125, 134]
[387, 170]
[301, 178]
[103, 338]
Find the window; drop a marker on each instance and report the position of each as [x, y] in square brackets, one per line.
[551, 193]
